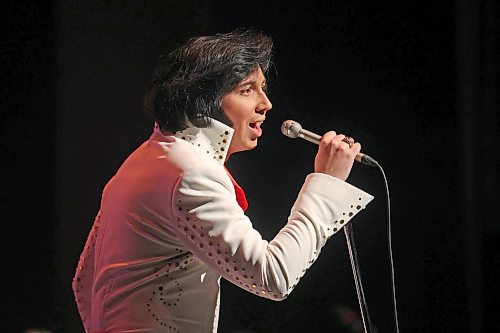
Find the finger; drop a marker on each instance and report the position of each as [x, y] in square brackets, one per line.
[349, 141]
[340, 137]
[356, 148]
[328, 136]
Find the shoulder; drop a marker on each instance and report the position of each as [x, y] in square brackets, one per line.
[184, 155]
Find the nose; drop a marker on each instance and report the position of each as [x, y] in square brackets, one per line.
[265, 104]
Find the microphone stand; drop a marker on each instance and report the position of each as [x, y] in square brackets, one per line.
[351, 246]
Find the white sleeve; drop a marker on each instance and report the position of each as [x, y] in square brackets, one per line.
[211, 225]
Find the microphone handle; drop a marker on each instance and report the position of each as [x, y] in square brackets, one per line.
[309, 136]
[315, 138]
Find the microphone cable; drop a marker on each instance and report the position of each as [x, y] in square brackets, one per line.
[389, 241]
[351, 245]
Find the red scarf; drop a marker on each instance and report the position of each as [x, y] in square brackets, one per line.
[240, 194]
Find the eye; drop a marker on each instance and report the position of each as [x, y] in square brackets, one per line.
[246, 91]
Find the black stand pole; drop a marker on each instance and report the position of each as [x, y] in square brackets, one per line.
[351, 246]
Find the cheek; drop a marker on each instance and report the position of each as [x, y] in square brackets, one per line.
[229, 109]
[237, 110]
[237, 117]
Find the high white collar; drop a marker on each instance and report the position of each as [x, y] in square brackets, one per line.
[213, 140]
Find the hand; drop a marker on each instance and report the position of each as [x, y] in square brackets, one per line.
[335, 157]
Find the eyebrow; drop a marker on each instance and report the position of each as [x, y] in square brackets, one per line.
[252, 82]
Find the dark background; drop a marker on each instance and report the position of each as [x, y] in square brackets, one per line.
[414, 82]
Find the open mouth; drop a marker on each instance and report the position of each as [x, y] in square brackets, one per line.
[256, 127]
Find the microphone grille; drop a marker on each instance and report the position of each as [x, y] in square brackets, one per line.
[291, 128]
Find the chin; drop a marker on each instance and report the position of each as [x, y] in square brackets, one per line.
[252, 144]
[244, 145]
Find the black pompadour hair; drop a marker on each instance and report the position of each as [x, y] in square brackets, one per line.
[189, 82]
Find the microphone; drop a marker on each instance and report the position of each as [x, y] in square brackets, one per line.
[293, 129]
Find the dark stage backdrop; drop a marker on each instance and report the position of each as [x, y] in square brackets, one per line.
[414, 82]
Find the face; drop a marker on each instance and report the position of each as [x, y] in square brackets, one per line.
[246, 106]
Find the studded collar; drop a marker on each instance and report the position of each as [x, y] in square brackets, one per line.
[213, 140]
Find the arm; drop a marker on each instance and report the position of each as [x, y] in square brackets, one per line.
[210, 224]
